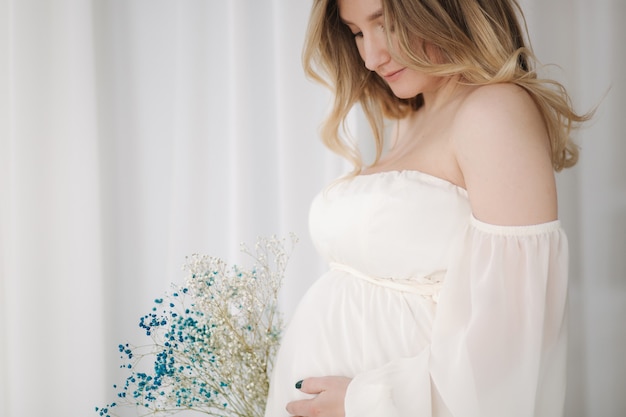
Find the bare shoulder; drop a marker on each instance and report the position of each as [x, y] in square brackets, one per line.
[502, 148]
[500, 104]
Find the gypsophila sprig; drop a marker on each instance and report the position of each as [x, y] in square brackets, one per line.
[213, 339]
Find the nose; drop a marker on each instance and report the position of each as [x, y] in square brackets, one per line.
[375, 51]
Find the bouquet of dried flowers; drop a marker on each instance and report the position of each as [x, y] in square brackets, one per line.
[213, 339]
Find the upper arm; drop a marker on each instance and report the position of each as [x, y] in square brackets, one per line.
[503, 152]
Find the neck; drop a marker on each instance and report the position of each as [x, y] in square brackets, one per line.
[446, 91]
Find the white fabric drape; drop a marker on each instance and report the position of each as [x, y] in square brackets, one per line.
[135, 132]
[500, 318]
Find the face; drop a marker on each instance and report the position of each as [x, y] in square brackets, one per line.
[366, 22]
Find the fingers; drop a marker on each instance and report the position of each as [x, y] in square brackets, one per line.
[308, 386]
[320, 384]
[313, 385]
[329, 397]
[300, 408]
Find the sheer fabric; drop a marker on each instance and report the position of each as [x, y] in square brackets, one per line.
[498, 339]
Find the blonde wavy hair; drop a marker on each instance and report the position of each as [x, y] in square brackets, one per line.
[481, 41]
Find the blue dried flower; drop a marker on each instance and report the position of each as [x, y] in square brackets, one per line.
[215, 344]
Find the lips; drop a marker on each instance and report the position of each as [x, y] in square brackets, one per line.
[391, 76]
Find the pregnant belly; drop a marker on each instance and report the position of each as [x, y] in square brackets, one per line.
[345, 325]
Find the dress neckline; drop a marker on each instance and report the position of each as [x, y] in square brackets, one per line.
[415, 173]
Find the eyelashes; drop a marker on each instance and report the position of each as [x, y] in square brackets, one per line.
[356, 35]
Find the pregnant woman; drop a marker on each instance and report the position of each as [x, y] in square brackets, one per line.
[447, 281]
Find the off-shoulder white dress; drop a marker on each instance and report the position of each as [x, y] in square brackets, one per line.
[432, 312]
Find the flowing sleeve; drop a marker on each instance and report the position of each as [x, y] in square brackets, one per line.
[498, 342]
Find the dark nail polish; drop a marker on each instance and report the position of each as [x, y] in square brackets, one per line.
[299, 384]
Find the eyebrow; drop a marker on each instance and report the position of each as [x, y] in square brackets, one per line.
[377, 14]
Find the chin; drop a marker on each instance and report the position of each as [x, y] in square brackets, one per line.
[406, 90]
[405, 94]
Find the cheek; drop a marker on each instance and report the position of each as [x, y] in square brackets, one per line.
[417, 46]
[398, 53]
[433, 53]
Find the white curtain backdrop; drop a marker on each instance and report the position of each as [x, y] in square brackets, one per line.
[135, 132]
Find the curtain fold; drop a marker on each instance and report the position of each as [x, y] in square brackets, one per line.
[136, 132]
[51, 236]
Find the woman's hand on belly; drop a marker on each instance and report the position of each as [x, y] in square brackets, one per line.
[330, 393]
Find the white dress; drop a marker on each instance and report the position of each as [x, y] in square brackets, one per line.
[432, 312]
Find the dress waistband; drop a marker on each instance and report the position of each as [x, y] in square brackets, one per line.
[427, 286]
